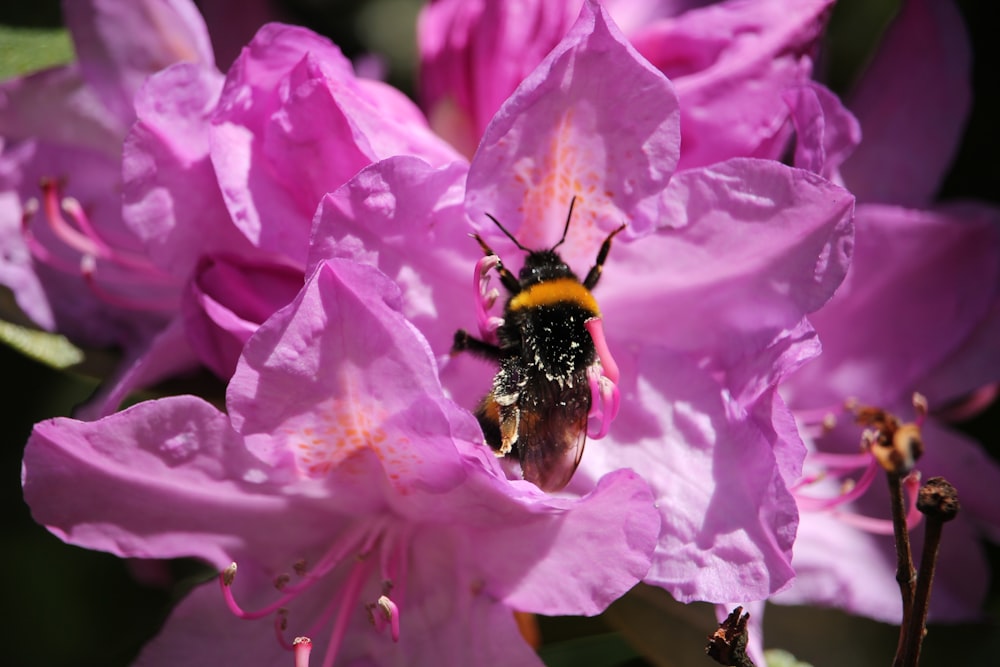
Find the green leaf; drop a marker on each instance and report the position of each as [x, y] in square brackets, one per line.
[778, 658]
[51, 349]
[28, 49]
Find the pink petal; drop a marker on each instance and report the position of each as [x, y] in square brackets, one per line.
[474, 54]
[58, 106]
[559, 136]
[585, 578]
[728, 522]
[731, 63]
[912, 104]
[177, 455]
[919, 285]
[119, 44]
[171, 195]
[751, 247]
[407, 218]
[295, 123]
[340, 373]
[827, 133]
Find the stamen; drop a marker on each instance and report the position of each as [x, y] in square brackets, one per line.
[595, 327]
[485, 298]
[88, 267]
[896, 446]
[605, 398]
[302, 647]
[226, 579]
[119, 256]
[329, 560]
[604, 402]
[280, 625]
[911, 484]
[349, 598]
[72, 231]
[840, 461]
[363, 539]
[808, 503]
[80, 242]
[887, 444]
[390, 614]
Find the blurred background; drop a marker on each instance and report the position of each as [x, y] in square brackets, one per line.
[65, 606]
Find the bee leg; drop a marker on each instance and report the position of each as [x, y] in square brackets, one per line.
[466, 342]
[603, 380]
[595, 272]
[508, 279]
[486, 297]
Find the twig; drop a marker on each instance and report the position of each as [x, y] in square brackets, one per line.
[938, 501]
[728, 644]
[905, 573]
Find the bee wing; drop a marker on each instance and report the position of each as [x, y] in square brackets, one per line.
[550, 448]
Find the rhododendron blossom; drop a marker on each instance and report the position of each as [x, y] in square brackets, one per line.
[730, 63]
[222, 175]
[72, 263]
[919, 311]
[702, 296]
[349, 493]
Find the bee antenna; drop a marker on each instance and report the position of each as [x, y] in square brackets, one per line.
[508, 234]
[569, 216]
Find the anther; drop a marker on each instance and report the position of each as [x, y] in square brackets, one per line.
[390, 614]
[228, 575]
[895, 446]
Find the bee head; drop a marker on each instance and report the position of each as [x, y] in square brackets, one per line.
[542, 265]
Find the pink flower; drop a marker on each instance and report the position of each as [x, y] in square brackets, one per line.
[72, 263]
[703, 295]
[222, 176]
[919, 311]
[346, 487]
[730, 62]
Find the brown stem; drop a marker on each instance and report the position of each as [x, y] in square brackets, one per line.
[938, 501]
[905, 574]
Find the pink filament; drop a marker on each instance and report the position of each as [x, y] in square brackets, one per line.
[349, 598]
[808, 503]
[363, 539]
[333, 556]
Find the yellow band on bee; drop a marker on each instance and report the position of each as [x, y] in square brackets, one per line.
[551, 292]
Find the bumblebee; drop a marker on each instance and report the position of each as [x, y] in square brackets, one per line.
[553, 366]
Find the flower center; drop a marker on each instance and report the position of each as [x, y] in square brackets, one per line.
[372, 554]
[70, 243]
